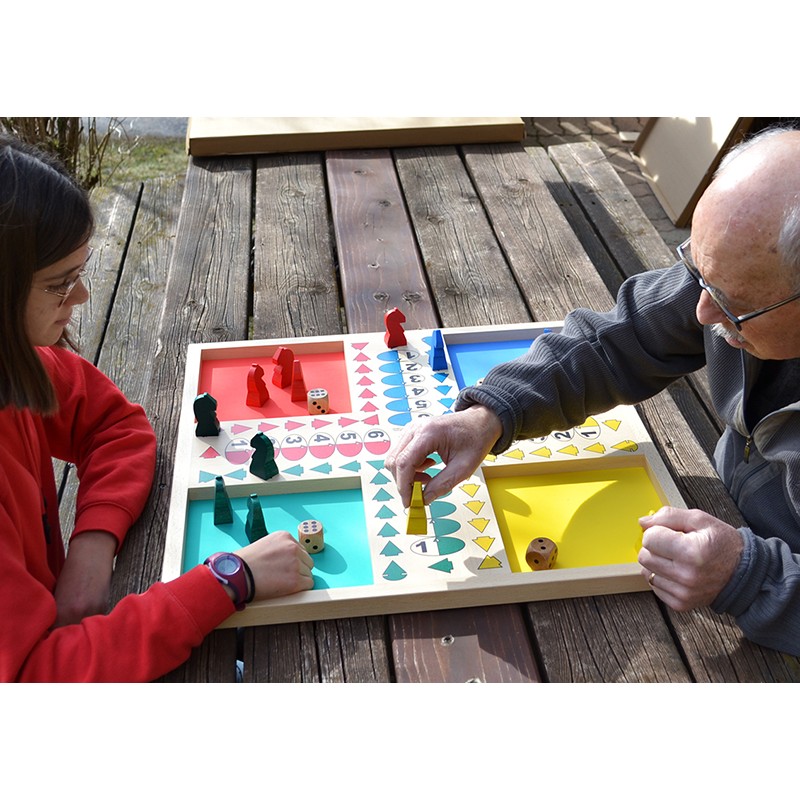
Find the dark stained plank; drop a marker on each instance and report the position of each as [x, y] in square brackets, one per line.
[331, 651]
[206, 299]
[378, 257]
[463, 646]
[467, 271]
[295, 293]
[366, 202]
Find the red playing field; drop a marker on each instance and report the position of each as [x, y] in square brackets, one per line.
[226, 380]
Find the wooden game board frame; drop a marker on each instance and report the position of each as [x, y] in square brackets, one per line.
[411, 594]
[214, 136]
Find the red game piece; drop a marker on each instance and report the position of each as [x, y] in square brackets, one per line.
[282, 374]
[257, 392]
[299, 391]
[394, 336]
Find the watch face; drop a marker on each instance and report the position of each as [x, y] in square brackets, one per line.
[227, 565]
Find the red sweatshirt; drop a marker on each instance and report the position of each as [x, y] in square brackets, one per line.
[113, 446]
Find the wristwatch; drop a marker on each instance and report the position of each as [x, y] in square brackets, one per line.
[231, 570]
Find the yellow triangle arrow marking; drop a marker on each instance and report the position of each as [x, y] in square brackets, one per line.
[518, 454]
[484, 542]
[613, 424]
[470, 488]
[544, 452]
[569, 450]
[475, 506]
[597, 448]
[490, 562]
[626, 445]
[480, 523]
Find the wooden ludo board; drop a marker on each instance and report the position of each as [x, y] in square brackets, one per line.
[584, 488]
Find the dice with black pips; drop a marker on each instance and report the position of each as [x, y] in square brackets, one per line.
[541, 553]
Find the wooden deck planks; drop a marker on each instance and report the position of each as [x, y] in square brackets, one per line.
[295, 286]
[579, 645]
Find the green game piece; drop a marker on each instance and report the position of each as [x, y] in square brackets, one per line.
[255, 527]
[263, 462]
[223, 511]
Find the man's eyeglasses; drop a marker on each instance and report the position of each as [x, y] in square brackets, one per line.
[63, 290]
[685, 254]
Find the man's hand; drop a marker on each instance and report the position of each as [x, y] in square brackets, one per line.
[85, 581]
[462, 440]
[688, 556]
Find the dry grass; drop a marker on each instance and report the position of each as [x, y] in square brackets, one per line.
[100, 156]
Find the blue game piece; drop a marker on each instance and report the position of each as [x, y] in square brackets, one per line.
[438, 361]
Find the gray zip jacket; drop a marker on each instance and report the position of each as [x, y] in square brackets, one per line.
[624, 356]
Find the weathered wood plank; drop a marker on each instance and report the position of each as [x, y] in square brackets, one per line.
[463, 646]
[587, 235]
[116, 213]
[550, 265]
[619, 220]
[612, 638]
[296, 294]
[214, 661]
[472, 285]
[379, 260]
[295, 289]
[206, 299]
[468, 274]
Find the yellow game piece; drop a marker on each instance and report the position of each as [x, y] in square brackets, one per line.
[417, 518]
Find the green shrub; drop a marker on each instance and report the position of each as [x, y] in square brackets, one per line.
[80, 146]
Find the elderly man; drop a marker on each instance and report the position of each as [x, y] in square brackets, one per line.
[730, 303]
